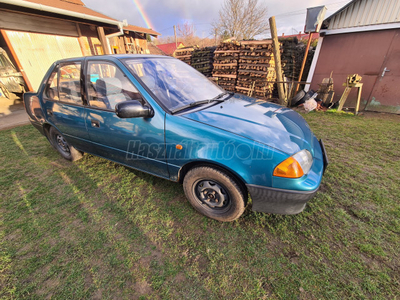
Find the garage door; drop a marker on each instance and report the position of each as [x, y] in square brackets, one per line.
[37, 52]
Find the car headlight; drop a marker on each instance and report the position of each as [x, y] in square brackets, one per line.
[295, 166]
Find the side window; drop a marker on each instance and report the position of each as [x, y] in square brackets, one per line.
[70, 83]
[107, 85]
[51, 91]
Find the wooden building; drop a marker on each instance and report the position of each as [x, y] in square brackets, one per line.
[362, 38]
[38, 32]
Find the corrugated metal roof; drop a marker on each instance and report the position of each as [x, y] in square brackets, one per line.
[363, 13]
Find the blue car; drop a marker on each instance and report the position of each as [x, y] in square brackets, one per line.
[158, 115]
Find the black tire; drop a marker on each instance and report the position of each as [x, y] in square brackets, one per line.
[214, 193]
[300, 95]
[62, 146]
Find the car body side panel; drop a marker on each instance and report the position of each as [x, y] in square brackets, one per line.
[251, 161]
[136, 142]
[70, 121]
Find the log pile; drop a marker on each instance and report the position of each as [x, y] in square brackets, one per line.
[184, 54]
[226, 61]
[292, 57]
[203, 59]
[256, 72]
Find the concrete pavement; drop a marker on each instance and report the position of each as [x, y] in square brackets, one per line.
[12, 113]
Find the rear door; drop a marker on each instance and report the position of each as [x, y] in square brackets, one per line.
[136, 142]
[63, 104]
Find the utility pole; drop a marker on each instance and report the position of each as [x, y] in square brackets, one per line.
[215, 36]
[176, 39]
[278, 66]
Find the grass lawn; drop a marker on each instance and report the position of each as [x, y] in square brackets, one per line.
[97, 230]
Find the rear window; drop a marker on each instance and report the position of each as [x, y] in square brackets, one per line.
[64, 84]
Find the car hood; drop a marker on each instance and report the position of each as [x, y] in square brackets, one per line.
[264, 122]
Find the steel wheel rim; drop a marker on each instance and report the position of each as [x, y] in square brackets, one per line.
[212, 195]
[62, 144]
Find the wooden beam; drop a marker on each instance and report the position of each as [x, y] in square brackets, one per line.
[227, 51]
[266, 42]
[304, 61]
[81, 41]
[103, 40]
[278, 66]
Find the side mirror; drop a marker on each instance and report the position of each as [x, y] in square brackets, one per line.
[133, 109]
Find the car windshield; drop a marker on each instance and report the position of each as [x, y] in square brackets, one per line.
[173, 82]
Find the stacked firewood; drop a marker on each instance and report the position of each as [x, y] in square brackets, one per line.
[256, 74]
[203, 59]
[292, 58]
[184, 54]
[226, 65]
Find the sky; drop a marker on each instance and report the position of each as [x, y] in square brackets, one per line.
[161, 15]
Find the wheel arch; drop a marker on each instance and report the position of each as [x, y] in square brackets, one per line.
[187, 167]
[46, 130]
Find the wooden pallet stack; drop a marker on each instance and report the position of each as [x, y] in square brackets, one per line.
[203, 59]
[256, 74]
[226, 61]
[184, 54]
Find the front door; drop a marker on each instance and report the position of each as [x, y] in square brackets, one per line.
[385, 96]
[135, 142]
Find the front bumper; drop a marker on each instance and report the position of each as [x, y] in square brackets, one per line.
[278, 201]
[288, 201]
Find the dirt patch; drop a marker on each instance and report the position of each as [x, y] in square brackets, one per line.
[98, 295]
[142, 288]
[56, 164]
[180, 277]
[378, 115]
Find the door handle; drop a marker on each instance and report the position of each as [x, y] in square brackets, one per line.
[49, 112]
[95, 123]
[384, 71]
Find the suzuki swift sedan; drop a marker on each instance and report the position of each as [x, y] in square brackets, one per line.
[158, 115]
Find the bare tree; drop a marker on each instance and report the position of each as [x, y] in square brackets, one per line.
[243, 19]
[186, 33]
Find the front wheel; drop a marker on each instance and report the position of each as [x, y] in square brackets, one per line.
[214, 193]
[62, 146]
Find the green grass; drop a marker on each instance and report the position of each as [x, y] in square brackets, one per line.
[97, 230]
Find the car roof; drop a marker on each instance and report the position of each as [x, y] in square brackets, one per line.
[113, 56]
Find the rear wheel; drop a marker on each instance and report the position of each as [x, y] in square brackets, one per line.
[214, 193]
[62, 146]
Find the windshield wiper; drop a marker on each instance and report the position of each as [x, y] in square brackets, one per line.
[200, 102]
